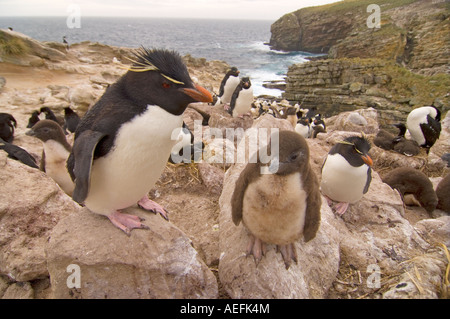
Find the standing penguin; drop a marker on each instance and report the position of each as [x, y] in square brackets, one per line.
[123, 142]
[229, 83]
[346, 172]
[242, 99]
[279, 207]
[424, 125]
[55, 153]
[7, 125]
[318, 126]
[71, 119]
[34, 118]
[303, 128]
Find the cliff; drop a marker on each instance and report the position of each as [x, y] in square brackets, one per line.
[413, 33]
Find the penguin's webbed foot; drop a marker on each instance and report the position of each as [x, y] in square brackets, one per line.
[147, 204]
[226, 107]
[126, 222]
[257, 248]
[341, 208]
[289, 253]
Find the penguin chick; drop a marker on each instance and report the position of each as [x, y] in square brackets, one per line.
[346, 172]
[229, 83]
[123, 142]
[402, 145]
[442, 193]
[424, 125]
[384, 140]
[17, 153]
[34, 118]
[411, 181]
[71, 120]
[7, 125]
[55, 153]
[242, 99]
[280, 207]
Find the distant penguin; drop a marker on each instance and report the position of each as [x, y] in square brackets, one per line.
[17, 153]
[279, 203]
[412, 181]
[228, 85]
[242, 99]
[402, 145]
[7, 125]
[66, 43]
[34, 118]
[312, 112]
[123, 142]
[442, 193]
[346, 172]
[49, 115]
[185, 149]
[55, 153]
[424, 125]
[318, 126]
[303, 127]
[71, 119]
[291, 116]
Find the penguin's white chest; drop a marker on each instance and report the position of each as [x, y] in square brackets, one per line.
[55, 165]
[229, 88]
[415, 118]
[274, 208]
[341, 181]
[135, 162]
[243, 102]
[303, 130]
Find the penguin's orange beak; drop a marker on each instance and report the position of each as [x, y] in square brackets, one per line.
[367, 160]
[199, 94]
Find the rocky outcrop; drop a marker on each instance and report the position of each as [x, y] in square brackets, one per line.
[339, 85]
[412, 33]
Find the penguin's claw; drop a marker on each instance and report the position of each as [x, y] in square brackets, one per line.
[257, 248]
[147, 204]
[127, 222]
[289, 253]
[341, 208]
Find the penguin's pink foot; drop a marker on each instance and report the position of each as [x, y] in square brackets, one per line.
[289, 253]
[257, 248]
[147, 204]
[126, 222]
[341, 208]
[226, 106]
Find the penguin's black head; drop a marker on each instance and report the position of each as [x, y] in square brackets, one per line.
[8, 120]
[355, 150]
[160, 77]
[304, 121]
[46, 130]
[233, 71]
[401, 129]
[246, 82]
[68, 110]
[292, 155]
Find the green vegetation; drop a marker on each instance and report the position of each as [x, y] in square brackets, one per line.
[347, 5]
[12, 46]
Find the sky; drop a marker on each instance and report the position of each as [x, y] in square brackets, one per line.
[209, 9]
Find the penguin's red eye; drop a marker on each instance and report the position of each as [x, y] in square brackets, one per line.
[166, 85]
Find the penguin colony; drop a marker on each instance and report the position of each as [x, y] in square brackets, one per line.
[134, 122]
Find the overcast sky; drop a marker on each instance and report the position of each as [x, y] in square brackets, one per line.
[215, 9]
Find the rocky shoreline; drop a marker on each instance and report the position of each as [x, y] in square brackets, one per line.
[200, 252]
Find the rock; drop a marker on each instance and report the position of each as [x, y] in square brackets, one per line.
[2, 82]
[442, 145]
[155, 263]
[212, 177]
[220, 119]
[31, 204]
[355, 87]
[83, 95]
[19, 290]
[355, 121]
[435, 230]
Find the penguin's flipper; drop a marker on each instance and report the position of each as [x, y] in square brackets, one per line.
[250, 172]
[431, 130]
[80, 162]
[369, 180]
[312, 214]
[234, 98]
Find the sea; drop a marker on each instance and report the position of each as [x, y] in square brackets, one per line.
[241, 43]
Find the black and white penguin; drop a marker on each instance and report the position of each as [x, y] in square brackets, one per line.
[71, 119]
[279, 203]
[424, 125]
[303, 127]
[49, 115]
[408, 180]
[346, 172]
[123, 142]
[34, 118]
[318, 126]
[185, 149]
[66, 43]
[242, 99]
[7, 125]
[229, 83]
[55, 153]
[17, 153]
